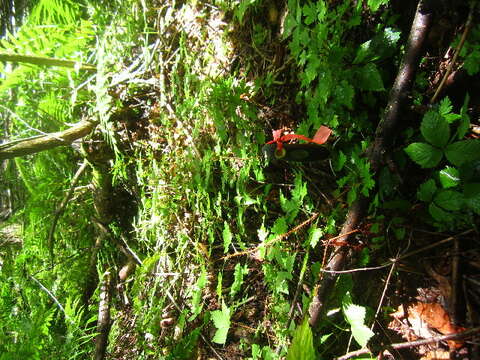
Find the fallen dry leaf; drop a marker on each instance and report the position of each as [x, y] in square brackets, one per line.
[423, 317]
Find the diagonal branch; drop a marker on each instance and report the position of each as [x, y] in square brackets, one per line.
[383, 139]
[45, 142]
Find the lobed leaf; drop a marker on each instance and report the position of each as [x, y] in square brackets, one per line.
[221, 320]
[435, 129]
[472, 196]
[449, 177]
[462, 151]
[449, 200]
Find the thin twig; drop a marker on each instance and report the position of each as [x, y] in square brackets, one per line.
[387, 282]
[273, 241]
[401, 257]
[27, 125]
[468, 26]
[49, 293]
[409, 344]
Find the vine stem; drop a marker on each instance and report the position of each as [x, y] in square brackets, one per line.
[468, 26]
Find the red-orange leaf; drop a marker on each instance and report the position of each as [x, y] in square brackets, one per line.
[322, 135]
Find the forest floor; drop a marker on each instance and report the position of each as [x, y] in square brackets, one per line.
[223, 82]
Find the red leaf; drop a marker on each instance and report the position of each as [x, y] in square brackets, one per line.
[277, 134]
[322, 135]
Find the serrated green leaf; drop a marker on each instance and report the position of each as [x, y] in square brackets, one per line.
[355, 316]
[302, 343]
[427, 190]
[314, 236]
[344, 93]
[290, 25]
[227, 237]
[435, 129]
[196, 304]
[324, 85]
[424, 154]
[368, 78]
[341, 160]
[471, 192]
[221, 320]
[465, 119]
[463, 151]
[352, 195]
[445, 106]
[321, 10]
[438, 213]
[449, 177]
[362, 334]
[451, 117]
[449, 200]
[239, 273]
[300, 189]
[311, 71]
[310, 13]
[281, 281]
[381, 46]
[279, 227]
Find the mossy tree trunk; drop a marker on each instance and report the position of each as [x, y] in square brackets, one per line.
[39, 143]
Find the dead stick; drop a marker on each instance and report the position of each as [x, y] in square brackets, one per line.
[409, 344]
[401, 257]
[383, 138]
[468, 26]
[273, 241]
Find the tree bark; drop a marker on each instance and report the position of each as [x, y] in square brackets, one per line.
[384, 136]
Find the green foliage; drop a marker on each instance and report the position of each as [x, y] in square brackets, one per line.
[205, 198]
[451, 191]
[221, 320]
[355, 316]
[240, 272]
[375, 4]
[471, 51]
[380, 47]
[302, 343]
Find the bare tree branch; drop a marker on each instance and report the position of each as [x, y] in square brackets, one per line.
[383, 139]
[45, 142]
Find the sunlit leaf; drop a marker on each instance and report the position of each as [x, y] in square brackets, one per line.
[221, 320]
[424, 154]
[355, 316]
[449, 177]
[302, 347]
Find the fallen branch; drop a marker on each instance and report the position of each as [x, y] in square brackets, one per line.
[44, 142]
[383, 139]
[401, 257]
[104, 321]
[273, 241]
[410, 344]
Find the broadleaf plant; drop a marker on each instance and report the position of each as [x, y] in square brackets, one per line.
[449, 191]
